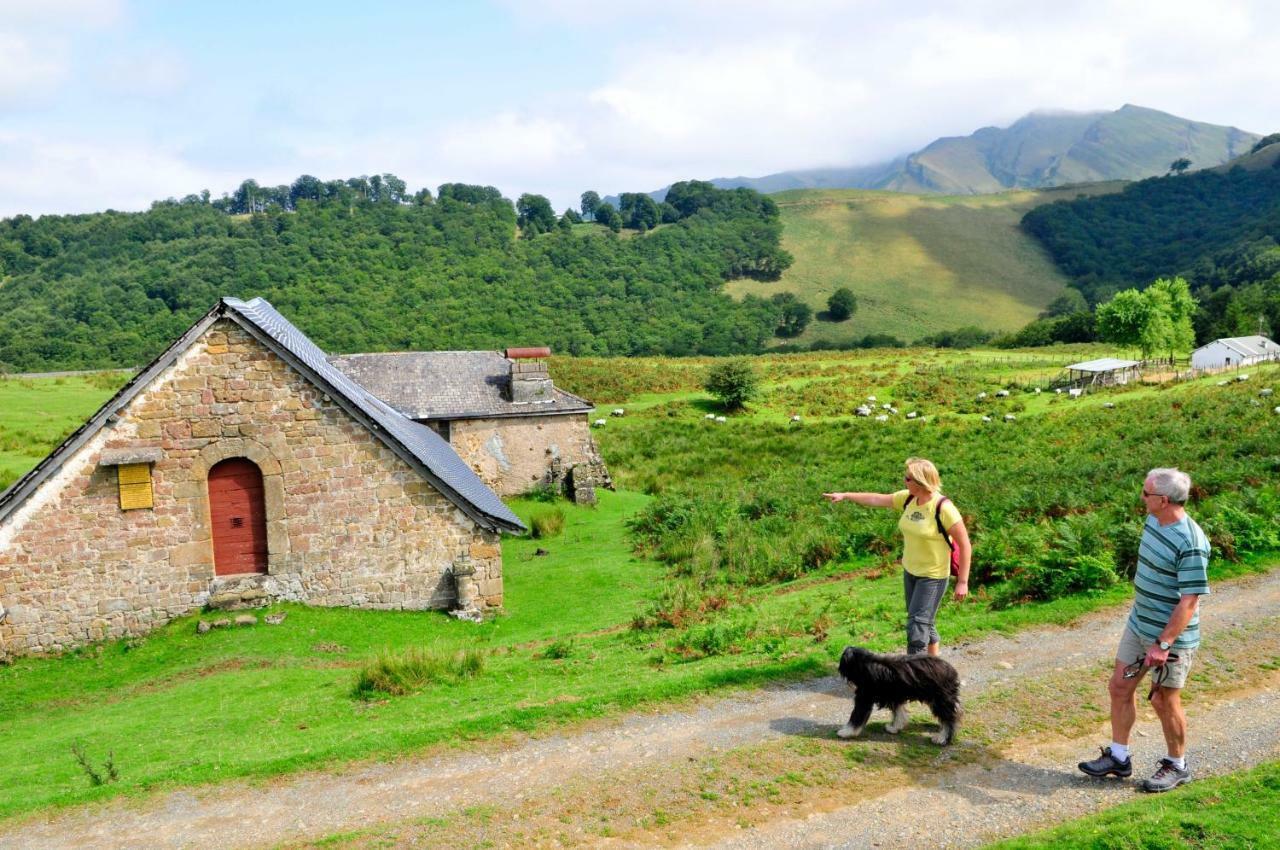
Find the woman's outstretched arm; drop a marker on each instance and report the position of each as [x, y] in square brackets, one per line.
[871, 500]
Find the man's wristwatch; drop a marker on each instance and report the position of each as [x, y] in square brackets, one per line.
[1164, 645]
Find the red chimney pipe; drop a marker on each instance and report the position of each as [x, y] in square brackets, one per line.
[527, 353]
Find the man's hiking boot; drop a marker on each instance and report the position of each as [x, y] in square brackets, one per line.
[1108, 765]
[1167, 777]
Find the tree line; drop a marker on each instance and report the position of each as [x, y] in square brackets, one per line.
[1216, 231]
[366, 265]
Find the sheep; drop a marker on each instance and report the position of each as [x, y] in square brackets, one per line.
[886, 406]
[1009, 417]
[871, 398]
[1057, 390]
[1223, 383]
[617, 411]
[1266, 391]
[709, 416]
[986, 419]
[882, 418]
[795, 417]
[1002, 393]
[599, 423]
[912, 415]
[1036, 391]
[720, 420]
[981, 396]
[1075, 392]
[862, 410]
[1109, 405]
[1277, 409]
[893, 411]
[1242, 377]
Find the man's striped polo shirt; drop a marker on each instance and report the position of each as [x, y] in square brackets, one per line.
[1172, 561]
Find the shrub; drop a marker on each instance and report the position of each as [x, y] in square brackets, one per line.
[842, 304]
[403, 671]
[546, 522]
[734, 382]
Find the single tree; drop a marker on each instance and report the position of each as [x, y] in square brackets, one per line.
[590, 203]
[793, 314]
[1179, 165]
[1121, 320]
[842, 304]
[534, 214]
[734, 382]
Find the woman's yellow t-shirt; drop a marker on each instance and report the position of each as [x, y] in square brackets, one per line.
[924, 550]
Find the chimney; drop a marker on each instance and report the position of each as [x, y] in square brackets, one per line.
[530, 381]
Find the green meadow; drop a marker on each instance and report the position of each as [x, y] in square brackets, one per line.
[38, 413]
[918, 264]
[715, 565]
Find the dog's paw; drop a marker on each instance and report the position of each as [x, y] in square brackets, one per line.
[848, 731]
[899, 722]
[939, 738]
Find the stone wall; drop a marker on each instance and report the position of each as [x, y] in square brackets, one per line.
[516, 455]
[348, 522]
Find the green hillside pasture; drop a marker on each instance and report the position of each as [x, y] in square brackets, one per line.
[38, 413]
[1238, 810]
[918, 264]
[177, 708]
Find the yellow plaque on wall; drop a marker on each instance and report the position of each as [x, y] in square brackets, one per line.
[135, 486]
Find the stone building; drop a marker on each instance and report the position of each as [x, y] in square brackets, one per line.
[501, 412]
[241, 467]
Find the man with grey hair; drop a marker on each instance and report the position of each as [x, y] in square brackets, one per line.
[1162, 632]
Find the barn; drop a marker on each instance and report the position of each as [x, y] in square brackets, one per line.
[500, 411]
[1234, 351]
[237, 468]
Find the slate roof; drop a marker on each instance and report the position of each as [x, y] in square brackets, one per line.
[1103, 364]
[416, 444]
[1249, 346]
[430, 385]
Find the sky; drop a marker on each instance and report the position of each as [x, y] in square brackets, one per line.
[112, 104]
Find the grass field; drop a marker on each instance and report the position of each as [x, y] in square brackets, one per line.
[918, 264]
[718, 565]
[38, 413]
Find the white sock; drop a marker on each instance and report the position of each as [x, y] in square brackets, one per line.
[1180, 762]
[1120, 752]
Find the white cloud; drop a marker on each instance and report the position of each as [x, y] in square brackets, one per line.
[150, 74]
[28, 74]
[59, 13]
[43, 175]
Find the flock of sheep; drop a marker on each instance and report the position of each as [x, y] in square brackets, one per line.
[890, 410]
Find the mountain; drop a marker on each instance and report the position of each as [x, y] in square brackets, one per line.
[1040, 150]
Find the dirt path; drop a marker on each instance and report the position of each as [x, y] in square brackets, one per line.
[956, 804]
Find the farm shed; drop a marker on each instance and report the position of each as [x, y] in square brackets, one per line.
[1234, 351]
[1103, 372]
[240, 467]
[500, 411]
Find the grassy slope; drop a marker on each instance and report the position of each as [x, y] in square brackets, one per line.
[37, 414]
[174, 708]
[1237, 810]
[918, 264]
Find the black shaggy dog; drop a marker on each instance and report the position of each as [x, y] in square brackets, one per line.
[891, 681]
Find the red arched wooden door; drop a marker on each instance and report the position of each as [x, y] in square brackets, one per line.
[238, 512]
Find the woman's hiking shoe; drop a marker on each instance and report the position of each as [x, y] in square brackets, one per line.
[1167, 777]
[1108, 765]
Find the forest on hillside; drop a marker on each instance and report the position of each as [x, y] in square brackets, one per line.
[1220, 231]
[363, 265]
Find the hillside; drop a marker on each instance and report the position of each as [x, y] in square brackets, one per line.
[1039, 150]
[917, 264]
[1218, 228]
[112, 289]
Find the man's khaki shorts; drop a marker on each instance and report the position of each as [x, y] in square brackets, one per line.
[1172, 675]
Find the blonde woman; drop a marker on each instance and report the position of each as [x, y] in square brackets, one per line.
[926, 558]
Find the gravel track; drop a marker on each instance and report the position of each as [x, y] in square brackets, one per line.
[962, 807]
